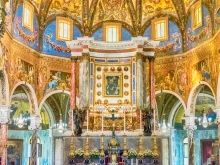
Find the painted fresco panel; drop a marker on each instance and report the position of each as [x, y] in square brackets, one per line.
[199, 35]
[23, 34]
[55, 47]
[14, 152]
[8, 17]
[57, 81]
[171, 46]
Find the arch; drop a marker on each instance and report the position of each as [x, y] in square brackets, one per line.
[5, 87]
[29, 90]
[51, 115]
[173, 111]
[193, 96]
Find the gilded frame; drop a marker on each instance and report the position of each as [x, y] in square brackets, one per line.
[106, 79]
[153, 24]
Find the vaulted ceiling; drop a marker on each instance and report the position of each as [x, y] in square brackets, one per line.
[134, 14]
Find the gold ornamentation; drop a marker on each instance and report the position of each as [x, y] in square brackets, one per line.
[102, 153]
[140, 152]
[86, 153]
[99, 93]
[126, 93]
[119, 69]
[99, 85]
[99, 77]
[125, 152]
[106, 102]
[119, 101]
[126, 101]
[106, 69]
[72, 152]
[125, 76]
[126, 85]
[99, 69]
[112, 69]
[155, 152]
[126, 68]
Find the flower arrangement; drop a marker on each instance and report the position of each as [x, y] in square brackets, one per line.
[79, 152]
[95, 153]
[148, 153]
[132, 153]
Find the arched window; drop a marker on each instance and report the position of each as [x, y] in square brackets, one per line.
[28, 15]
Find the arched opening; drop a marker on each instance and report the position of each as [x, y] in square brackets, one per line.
[54, 108]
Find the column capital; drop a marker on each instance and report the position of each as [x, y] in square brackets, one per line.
[34, 123]
[86, 56]
[190, 123]
[149, 47]
[140, 55]
[4, 114]
[74, 58]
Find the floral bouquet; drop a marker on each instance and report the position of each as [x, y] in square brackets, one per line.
[147, 153]
[132, 153]
[79, 152]
[95, 153]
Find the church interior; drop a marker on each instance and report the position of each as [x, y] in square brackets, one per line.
[109, 82]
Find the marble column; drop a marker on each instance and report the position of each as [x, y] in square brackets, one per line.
[152, 83]
[84, 81]
[34, 126]
[72, 90]
[4, 119]
[190, 126]
[140, 80]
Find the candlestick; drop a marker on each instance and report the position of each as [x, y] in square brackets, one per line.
[72, 120]
[124, 121]
[87, 125]
[140, 120]
[102, 121]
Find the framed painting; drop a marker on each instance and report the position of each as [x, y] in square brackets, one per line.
[112, 85]
[14, 152]
[207, 150]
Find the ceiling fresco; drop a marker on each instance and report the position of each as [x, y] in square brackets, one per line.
[74, 7]
[150, 7]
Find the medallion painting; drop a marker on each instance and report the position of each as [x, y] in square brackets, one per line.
[112, 85]
[14, 152]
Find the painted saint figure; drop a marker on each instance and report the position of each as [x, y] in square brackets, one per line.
[112, 87]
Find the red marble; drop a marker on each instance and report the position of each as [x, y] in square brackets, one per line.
[4, 138]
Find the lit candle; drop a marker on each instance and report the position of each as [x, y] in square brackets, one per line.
[140, 120]
[102, 120]
[87, 126]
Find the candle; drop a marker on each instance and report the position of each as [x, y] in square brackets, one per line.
[72, 121]
[124, 120]
[140, 120]
[154, 121]
[102, 120]
[87, 126]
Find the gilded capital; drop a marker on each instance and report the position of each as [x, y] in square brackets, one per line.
[74, 58]
[139, 55]
[85, 56]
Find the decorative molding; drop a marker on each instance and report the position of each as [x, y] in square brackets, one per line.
[4, 115]
[57, 47]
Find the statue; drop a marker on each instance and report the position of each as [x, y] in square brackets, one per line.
[78, 118]
[147, 126]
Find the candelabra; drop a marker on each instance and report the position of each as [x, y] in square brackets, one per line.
[86, 154]
[102, 154]
[125, 152]
[72, 153]
[140, 152]
[155, 152]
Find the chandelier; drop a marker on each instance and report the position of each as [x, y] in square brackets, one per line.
[164, 126]
[21, 121]
[60, 126]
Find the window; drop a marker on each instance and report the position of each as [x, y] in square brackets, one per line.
[27, 16]
[112, 32]
[64, 28]
[196, 15]
[160, 29]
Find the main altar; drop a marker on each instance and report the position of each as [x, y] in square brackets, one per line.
[113, 119]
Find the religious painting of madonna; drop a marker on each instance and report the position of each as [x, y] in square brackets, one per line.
[207, 150]
[14, 152]
[113, 85]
